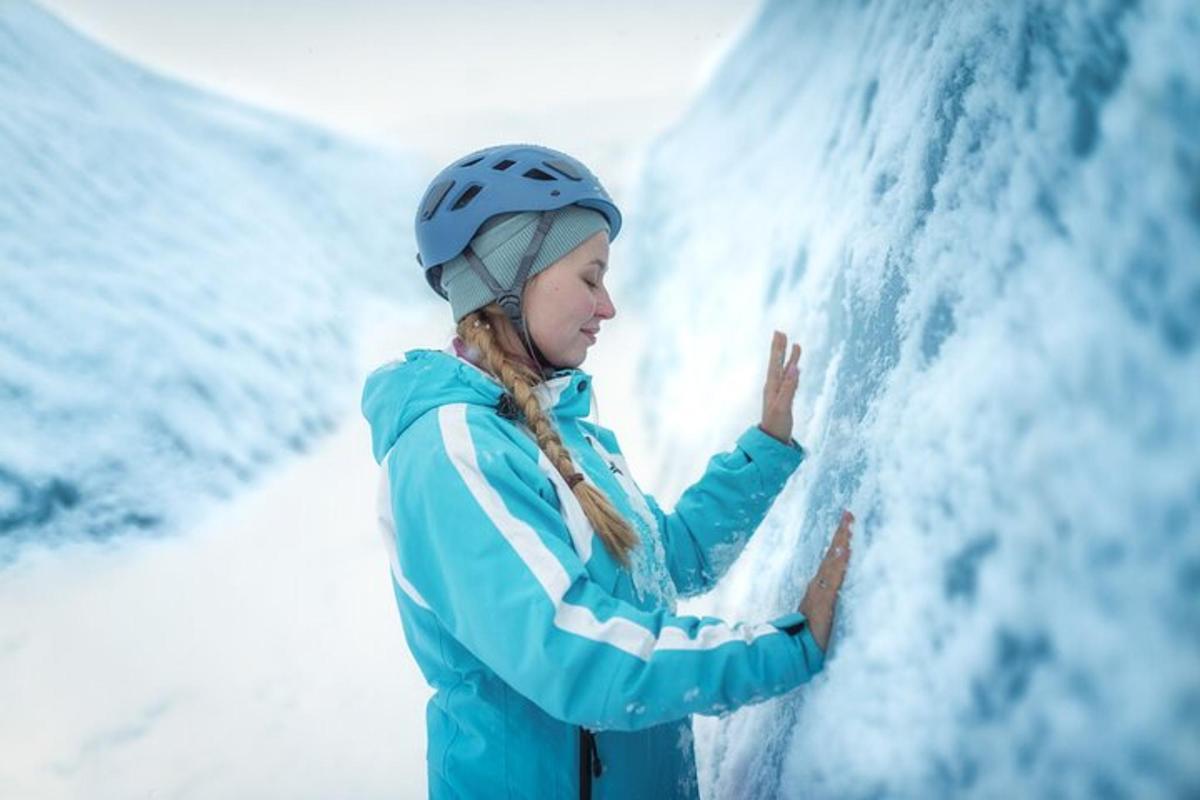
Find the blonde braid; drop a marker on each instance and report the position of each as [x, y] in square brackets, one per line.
[479, 330]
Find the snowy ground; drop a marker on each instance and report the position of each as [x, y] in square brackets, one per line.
[260, 653]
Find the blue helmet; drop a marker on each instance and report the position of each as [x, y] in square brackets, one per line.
[497, 180]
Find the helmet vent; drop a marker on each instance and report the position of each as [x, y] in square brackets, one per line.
[563, 168]
[467, 196]
[472, 161]
[434, 198]
[503, 165]
[538, 175]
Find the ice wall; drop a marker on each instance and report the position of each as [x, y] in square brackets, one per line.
[178, 274]
[982, 222]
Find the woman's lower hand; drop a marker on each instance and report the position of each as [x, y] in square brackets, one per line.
[820, 599]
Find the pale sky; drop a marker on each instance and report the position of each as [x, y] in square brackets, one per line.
[439, 77]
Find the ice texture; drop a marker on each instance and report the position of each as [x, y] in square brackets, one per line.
[982, 222]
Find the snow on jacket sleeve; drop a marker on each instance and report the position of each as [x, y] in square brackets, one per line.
[717, 515]
[491, 556]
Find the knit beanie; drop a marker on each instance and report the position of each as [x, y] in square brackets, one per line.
[500, 243]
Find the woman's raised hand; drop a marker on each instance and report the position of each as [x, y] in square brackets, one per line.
[780, 389]
[820, 599]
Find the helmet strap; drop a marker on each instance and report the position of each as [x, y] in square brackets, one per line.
[510, 298]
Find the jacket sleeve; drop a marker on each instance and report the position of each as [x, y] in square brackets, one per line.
[480, 537]
[718, 514]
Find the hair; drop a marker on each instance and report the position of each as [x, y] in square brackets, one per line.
[478, 329]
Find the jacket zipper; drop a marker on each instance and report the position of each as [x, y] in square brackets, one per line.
[589, 763]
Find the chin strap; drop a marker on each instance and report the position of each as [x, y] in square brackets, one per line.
[510, 298]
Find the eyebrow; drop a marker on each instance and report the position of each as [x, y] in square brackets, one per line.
[601, 262]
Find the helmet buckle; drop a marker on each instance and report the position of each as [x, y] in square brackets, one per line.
[511, 303]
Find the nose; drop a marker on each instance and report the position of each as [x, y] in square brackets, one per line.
[605, 308]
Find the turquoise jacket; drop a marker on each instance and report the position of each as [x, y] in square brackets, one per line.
[558, 673]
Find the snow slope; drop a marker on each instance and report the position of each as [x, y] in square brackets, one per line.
[185, 289]
[257, 654]
[982, 222]
[178, 276]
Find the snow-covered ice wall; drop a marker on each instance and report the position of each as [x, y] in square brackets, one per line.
[982, 222]
[178, 277]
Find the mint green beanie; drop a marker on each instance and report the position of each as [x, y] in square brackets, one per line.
[500, 243]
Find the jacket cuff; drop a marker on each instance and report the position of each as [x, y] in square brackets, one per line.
[795, 625]
[763, 447]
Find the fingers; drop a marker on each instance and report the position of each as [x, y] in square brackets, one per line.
[791, 378]
[843, 533]
[840, 545]
[837, 557]
[793, 360]
[779, 373]
[775, 363]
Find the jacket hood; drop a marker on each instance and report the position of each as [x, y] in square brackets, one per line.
[397, 394]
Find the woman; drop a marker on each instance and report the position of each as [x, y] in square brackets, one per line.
[536, 583]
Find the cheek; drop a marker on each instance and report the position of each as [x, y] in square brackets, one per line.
[571, 318]
[566, 309]
[572, 310]
[552, 318]
[585, 306]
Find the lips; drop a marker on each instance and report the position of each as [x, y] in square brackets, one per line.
[591, 333]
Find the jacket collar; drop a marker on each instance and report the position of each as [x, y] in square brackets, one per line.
[398, 393]
[566, 393]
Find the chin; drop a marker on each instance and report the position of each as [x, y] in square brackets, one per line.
[571, 360]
